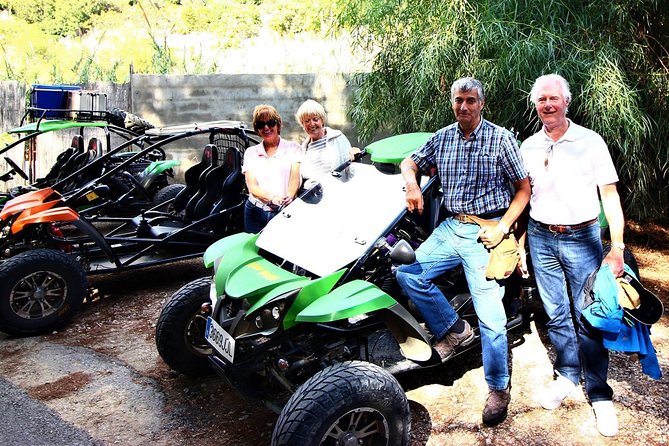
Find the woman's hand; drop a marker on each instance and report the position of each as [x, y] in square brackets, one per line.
[280, 201]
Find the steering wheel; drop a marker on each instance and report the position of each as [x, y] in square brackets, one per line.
[16, 168]
[157, 154]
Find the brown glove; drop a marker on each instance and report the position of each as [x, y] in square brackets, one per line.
[504, 257]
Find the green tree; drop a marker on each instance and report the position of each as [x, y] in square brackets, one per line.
[614, 54]
[59, 17]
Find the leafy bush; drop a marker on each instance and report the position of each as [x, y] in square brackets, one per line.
[289, 17]
[615, 55]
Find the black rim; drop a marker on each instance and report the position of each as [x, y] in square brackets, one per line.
[360, 426]
[194, 333]
[38, 295]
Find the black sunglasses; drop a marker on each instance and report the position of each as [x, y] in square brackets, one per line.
[270, 123]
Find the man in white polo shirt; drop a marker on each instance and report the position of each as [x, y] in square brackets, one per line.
[570, 167]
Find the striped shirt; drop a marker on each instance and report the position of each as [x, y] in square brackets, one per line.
[317, 161]
[476, 174]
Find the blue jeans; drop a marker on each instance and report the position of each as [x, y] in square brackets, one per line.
[562, 263]
[255, 218]
[453, 243]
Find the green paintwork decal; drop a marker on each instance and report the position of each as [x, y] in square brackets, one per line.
[349, 300]
[242, 272]
[256, 276]
[51, 126]
[395, 148]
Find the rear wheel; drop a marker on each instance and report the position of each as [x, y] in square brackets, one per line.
[355, 403]
[180, 330]
[167, 193]
[40, 290]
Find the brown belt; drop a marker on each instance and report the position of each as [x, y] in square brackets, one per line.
[465, 218]
[561, 229]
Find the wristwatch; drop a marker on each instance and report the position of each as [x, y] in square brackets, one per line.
[619, 245]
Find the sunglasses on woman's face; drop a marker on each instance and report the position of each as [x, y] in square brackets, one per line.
[270, 123]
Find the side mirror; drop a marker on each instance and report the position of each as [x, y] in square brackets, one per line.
[403, 253]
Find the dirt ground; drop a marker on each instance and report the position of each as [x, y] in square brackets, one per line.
[103, 374]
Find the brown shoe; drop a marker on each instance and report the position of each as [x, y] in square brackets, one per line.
[496, 405]
[451, 341]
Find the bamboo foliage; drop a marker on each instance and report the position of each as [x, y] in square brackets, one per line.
[614, 54]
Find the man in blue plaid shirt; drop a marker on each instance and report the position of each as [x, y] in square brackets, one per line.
[482, 174]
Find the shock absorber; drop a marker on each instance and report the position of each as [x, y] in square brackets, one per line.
[55, 231]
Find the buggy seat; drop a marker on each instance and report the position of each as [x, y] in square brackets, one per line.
[219, 187]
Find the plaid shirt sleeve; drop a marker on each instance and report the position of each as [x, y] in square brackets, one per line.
[424, 156]
[512, 161]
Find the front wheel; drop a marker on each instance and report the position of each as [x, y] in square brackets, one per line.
[348, 403]
[40, 290]
[180, 330]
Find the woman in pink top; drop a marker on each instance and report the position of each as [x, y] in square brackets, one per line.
[271, 168]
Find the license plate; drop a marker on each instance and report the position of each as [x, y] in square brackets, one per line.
[220, 340]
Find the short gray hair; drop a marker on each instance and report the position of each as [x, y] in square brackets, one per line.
[308, 109]
[467, 84]
[534, 93]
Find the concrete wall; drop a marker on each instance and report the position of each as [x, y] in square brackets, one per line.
[13, 100]
[196, 98]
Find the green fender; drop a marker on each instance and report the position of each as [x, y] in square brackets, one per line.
[359, 297]
[226, 253]
[157, 167]
[349, 300]
[310, 293]
[218, 249]
[395, 148]
[241, 272]
[254, 276]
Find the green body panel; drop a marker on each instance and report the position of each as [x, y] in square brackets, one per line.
[157, 167]
[254, 276]
[311, 293]
[395, 148]
[50, 126]
[219, 248]
[349, 300]
[243, 272]
[272, 294]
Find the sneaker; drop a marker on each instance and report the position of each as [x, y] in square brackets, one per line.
[607, 422]
[451, 341]
[496, 406]
[557, 391]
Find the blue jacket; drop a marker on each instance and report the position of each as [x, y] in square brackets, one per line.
[620, 333]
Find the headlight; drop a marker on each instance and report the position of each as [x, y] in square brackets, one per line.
[268, 318]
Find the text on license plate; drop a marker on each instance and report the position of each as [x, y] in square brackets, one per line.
[220, 339]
